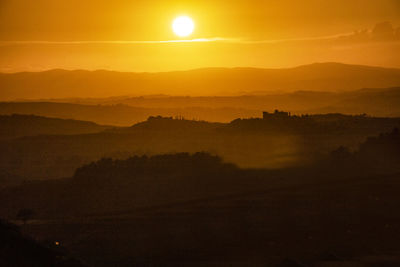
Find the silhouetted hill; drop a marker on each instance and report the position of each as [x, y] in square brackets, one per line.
[181, 209]
[17, 250]
[213, 81]
[140, 181]
[270, 143]
[15, 126]
[380, 102]
[168, 124]
[111, 185]
[122, 115]
[329, 124]
[298, 101]
[124, 111]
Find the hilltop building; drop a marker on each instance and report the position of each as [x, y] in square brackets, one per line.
[276, 114]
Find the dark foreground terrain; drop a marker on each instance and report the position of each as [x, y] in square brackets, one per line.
[194, 209]
[17, 249]
[355, 221]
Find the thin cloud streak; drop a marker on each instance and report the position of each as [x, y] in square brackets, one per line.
[198, 40]
[319, 38]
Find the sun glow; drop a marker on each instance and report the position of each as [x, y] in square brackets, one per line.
[183, 26]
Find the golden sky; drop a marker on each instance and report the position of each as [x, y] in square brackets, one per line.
[124, 35]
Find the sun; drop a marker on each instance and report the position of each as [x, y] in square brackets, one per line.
[183, 26]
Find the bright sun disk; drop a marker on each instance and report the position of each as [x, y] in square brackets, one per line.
[183, 26]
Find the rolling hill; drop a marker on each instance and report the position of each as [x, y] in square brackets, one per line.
[249, 143]
[14, 126]
[181, 209]
[211, 81]
[120, 115]
[125, 111]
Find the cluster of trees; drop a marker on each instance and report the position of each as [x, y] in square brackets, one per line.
[139, 181]
[150, 182]
[180, 164]
[382, 151]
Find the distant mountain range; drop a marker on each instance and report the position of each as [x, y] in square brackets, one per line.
[211, 81]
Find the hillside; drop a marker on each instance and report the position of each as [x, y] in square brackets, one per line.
[121, 115]
[110, 185]
[185, 208]
[22, 251]
[15, 126]
[212, 81]
[125, 111]
[374, 101]
[274, 143]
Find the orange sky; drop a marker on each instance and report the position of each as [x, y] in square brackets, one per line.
[72, 34]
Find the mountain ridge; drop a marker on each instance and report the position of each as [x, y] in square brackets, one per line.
[315, 64]
[329, 77]
[19, 125]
